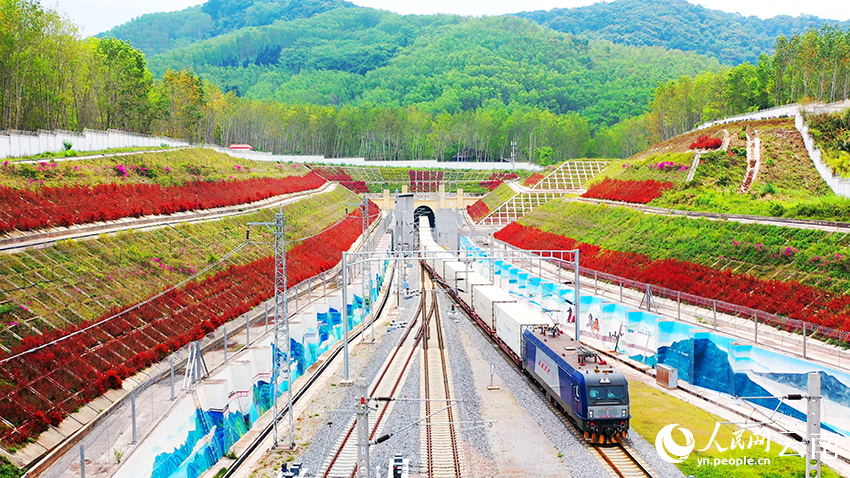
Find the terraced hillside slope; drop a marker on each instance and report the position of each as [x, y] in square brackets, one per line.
[759, 168]
[726, 178]
[135, 297]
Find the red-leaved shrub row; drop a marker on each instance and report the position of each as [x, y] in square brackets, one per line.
[417, 175]
[706, 142]
[496, 179]
[789, 298]
[532, 180]
[332, 173]
[42, 387]
[478, 210]
[501, 176]
[640, 192]
[356, 186]
[26, 210]
[424, 181]
[335, 173]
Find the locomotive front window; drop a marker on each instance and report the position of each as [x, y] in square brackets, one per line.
[606, 394]
[596, 393]
[615, 392]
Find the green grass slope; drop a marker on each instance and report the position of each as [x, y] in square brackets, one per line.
[787, 183]
[168, 168]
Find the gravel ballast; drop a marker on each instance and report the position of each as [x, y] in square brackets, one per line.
[343, 397]
[578, 459]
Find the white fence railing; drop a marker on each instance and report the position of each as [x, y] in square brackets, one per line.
[16, 144]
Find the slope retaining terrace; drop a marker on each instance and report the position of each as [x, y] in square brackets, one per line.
[17, 241]
[110, 429]
[828, 226]
[569, 177]
[712, 364]
[839, 185]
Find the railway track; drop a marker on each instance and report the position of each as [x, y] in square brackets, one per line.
[439, 437]
[617, 458]
[254, 447]
[621, 461]
[343, 462]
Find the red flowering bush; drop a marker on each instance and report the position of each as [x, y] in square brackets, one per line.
[332, 173]
[640, 192]
[532, 180]
[490, 185]
[64, 206]
[478, 210]
[355, 186]
[63, 376]
[706, 142]
[788, 298]
[108, 381]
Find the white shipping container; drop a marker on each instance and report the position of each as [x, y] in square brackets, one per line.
[466, 282]
[484, 298]
[450, 271]
[512, 319]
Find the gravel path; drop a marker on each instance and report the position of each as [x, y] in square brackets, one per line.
[645, 451]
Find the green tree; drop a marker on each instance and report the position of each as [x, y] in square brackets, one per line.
[125, 84]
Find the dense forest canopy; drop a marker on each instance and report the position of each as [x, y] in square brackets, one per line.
[155, 33]
[679, 24]
[361, 82]
[811, 66]
[441, 63]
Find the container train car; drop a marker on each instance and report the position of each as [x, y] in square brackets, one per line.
[590, 391]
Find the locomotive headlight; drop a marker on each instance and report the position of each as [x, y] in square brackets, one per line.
[590, 413]
[625, 412]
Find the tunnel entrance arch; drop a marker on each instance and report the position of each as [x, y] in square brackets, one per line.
[420, 212]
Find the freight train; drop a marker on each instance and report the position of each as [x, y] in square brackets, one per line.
[590, 391]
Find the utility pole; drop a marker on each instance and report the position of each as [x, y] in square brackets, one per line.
[577, 301]
[363, 470]
[282, 345]
[367, 266]
[813, 432]
[344, 313]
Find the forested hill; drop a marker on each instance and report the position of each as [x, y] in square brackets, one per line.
[361, 56]
[678, 24]
[159, 32]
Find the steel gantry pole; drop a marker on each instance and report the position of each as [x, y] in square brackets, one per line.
[367, 267]
[281, 322]
[344, 314]
[577, 301]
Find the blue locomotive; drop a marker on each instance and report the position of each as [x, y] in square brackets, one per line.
[589, 390]
[585, 387]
